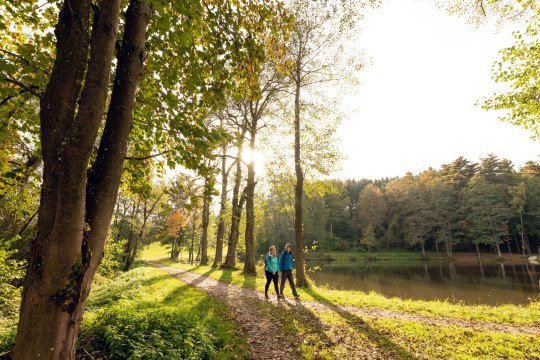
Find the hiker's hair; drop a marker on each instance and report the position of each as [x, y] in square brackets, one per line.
[270, 248]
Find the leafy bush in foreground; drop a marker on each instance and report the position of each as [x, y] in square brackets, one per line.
[162, 332]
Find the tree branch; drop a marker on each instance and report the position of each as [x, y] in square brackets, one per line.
[147, 157]
[12, 96]
[32, 88]
[27, 62]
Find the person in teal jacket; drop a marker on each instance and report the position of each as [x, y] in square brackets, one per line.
[271, 270]
[285, 265]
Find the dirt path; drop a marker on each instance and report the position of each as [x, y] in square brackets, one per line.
[247, 307]
[242, 302]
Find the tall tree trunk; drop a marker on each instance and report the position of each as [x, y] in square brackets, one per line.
[230, 259]
[49, 316]
[237, 205]
[528, 245]
[176, 247]
[299, 188]
[250, 266]
[174, 250]
[204, 225]
[129, 250]
[222, 207]
[498, 250]
[477, 250]
[522, 233]
[192, 248]
[448, 248]
[69, 244]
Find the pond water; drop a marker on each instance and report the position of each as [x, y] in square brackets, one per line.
[470, 283]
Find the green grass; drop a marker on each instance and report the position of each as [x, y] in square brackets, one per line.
[145, 313]
[155, 251]
[407, 339]
[335, 333]
[363, 256]
[451, 342]
[403, 257]
[508, 314]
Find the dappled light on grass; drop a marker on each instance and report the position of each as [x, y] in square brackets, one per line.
[361, 327]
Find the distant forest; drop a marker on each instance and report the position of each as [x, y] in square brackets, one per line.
[464, 206]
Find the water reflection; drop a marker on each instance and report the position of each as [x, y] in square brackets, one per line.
[473, 283]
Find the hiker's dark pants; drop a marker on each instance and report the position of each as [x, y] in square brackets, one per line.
[287, 274]
[269, 278]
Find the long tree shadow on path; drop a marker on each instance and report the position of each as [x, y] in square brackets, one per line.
[391, 349]
[179, 272]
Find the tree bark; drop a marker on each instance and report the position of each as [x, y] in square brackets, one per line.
[69, 245]
[222, 207]
[49, 316]
[104, 178]
[192, 247]
[498, 248]
[205, 223]
[237, 205]
[522, 233]
[176, 243]
[448, 248]
[250, 266]
[299, 188]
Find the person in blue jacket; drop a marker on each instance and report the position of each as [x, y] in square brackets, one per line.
[271, 270]
[285, 265]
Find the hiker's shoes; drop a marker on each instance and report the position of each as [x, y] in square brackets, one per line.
[266, 296]
[297, 296]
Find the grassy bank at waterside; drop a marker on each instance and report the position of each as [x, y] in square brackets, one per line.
[402, 256]
[527, 315]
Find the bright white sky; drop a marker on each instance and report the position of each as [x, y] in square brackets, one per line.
[415, 107]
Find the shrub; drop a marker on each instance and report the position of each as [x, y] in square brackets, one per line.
[11, 275]
[7, 341]
[161, 332]
[112, 258]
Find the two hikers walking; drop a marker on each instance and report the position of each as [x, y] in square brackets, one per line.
[283, 265]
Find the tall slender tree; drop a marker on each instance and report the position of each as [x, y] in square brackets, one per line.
[320, 30]
[218, 259]
[238, 199]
